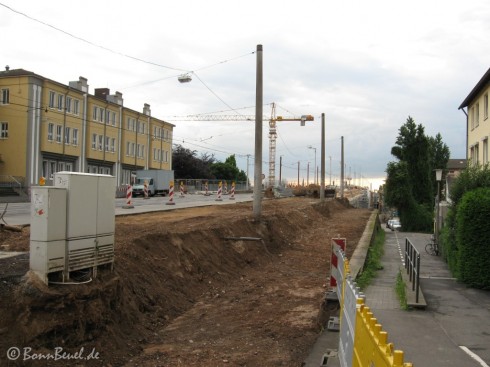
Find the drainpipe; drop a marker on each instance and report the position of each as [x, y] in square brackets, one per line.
[84, 134]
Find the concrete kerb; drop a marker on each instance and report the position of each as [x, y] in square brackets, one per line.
[324, 352]
[358, 258]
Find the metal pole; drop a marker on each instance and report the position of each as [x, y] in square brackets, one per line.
[315, 171]
[437, 215]
[322, 160]
[308, 174]
[330, 169]
[257, 193]
[342, 167]
[298, 173]
[248, 157]
[280, 170]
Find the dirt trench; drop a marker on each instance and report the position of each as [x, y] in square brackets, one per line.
[190, 287]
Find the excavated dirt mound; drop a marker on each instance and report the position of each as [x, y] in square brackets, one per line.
[191, 287]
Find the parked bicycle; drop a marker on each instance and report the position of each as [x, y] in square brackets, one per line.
[432, 248]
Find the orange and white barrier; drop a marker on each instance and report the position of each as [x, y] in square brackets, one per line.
[206, 189]
[232, 196]
[219, 192]
[182, 189]
[145, 189]
[225, 191]
[171, 194]
[129, 197]
[337, 243]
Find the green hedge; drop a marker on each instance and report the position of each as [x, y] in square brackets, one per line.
[473, 238]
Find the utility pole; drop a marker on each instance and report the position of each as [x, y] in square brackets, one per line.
[298, 173]
[322, 159]
[248, 157]
[342, 167]
[280, 170]
[308, 174]
[330, 170]
[257, 193]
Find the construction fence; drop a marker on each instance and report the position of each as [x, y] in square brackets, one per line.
[362, 342]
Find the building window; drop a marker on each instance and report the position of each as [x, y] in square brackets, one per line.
[113, 145]
[76, 107]
[67, 135]
[94, 114]
[59, 131]
[60, 102]
[107, 142]
[485, 151]
[101, 141]
[477, 115]
[5, 96]
[75, 137]
[128, 147]
[50, 131]
[94, 141]
[4, 130]
[68, 104]
[101, 114]
[51, 99]
[472, 117]
[133, 146]
[485, 106]
[113, 120]
[69, 167]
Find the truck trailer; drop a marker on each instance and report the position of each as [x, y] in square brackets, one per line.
[158, 181]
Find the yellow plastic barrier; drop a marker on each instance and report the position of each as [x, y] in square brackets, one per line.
[371, 347]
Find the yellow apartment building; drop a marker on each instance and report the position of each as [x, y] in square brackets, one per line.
[47, 127]
[477, 121]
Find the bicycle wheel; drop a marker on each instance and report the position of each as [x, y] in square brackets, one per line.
[429, 248]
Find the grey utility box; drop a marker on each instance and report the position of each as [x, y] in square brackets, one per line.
[72, 224]
[90, 218]
[48, 230]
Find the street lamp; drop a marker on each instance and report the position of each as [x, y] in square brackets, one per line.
[438, 179]
[310, 147]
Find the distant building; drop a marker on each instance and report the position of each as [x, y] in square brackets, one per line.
[477, 123]
[47, 127]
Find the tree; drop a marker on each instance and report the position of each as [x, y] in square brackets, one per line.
[228, 170]
[187, 165]
[411, 185]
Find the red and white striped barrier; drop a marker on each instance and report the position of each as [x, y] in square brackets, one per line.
[225, 191]
[145, 189]
[206, 192]
[232, 196]
[182, 190]
[219, 192]
[337, 243]
[129, 197]
[171, 194]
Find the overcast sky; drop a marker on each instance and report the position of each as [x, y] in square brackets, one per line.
[367, 65]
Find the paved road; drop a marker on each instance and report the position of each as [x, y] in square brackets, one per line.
[19, 213]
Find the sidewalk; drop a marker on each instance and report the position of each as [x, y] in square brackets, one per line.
[452, 330]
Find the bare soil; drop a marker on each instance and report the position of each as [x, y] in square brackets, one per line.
[205, 286]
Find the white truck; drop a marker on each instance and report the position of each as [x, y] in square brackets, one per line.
[158, 181]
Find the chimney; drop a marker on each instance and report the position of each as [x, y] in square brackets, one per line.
[146, 110]
[116, 98]
[102, 92]
[80, 84]
[7, 68]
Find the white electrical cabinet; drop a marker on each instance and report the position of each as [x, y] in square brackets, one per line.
[48, 230]
[90, 218]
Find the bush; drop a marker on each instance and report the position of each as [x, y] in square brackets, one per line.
[472, 234]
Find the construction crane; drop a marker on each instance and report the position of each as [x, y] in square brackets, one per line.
[272, 130]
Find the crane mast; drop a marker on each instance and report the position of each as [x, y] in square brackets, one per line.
[272, 131]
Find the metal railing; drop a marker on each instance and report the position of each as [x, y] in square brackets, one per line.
[412, 265]
[14, 182]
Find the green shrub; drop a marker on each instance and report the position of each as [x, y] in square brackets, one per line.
[472, 238]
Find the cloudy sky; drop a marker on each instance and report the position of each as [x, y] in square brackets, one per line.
[367, 65]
